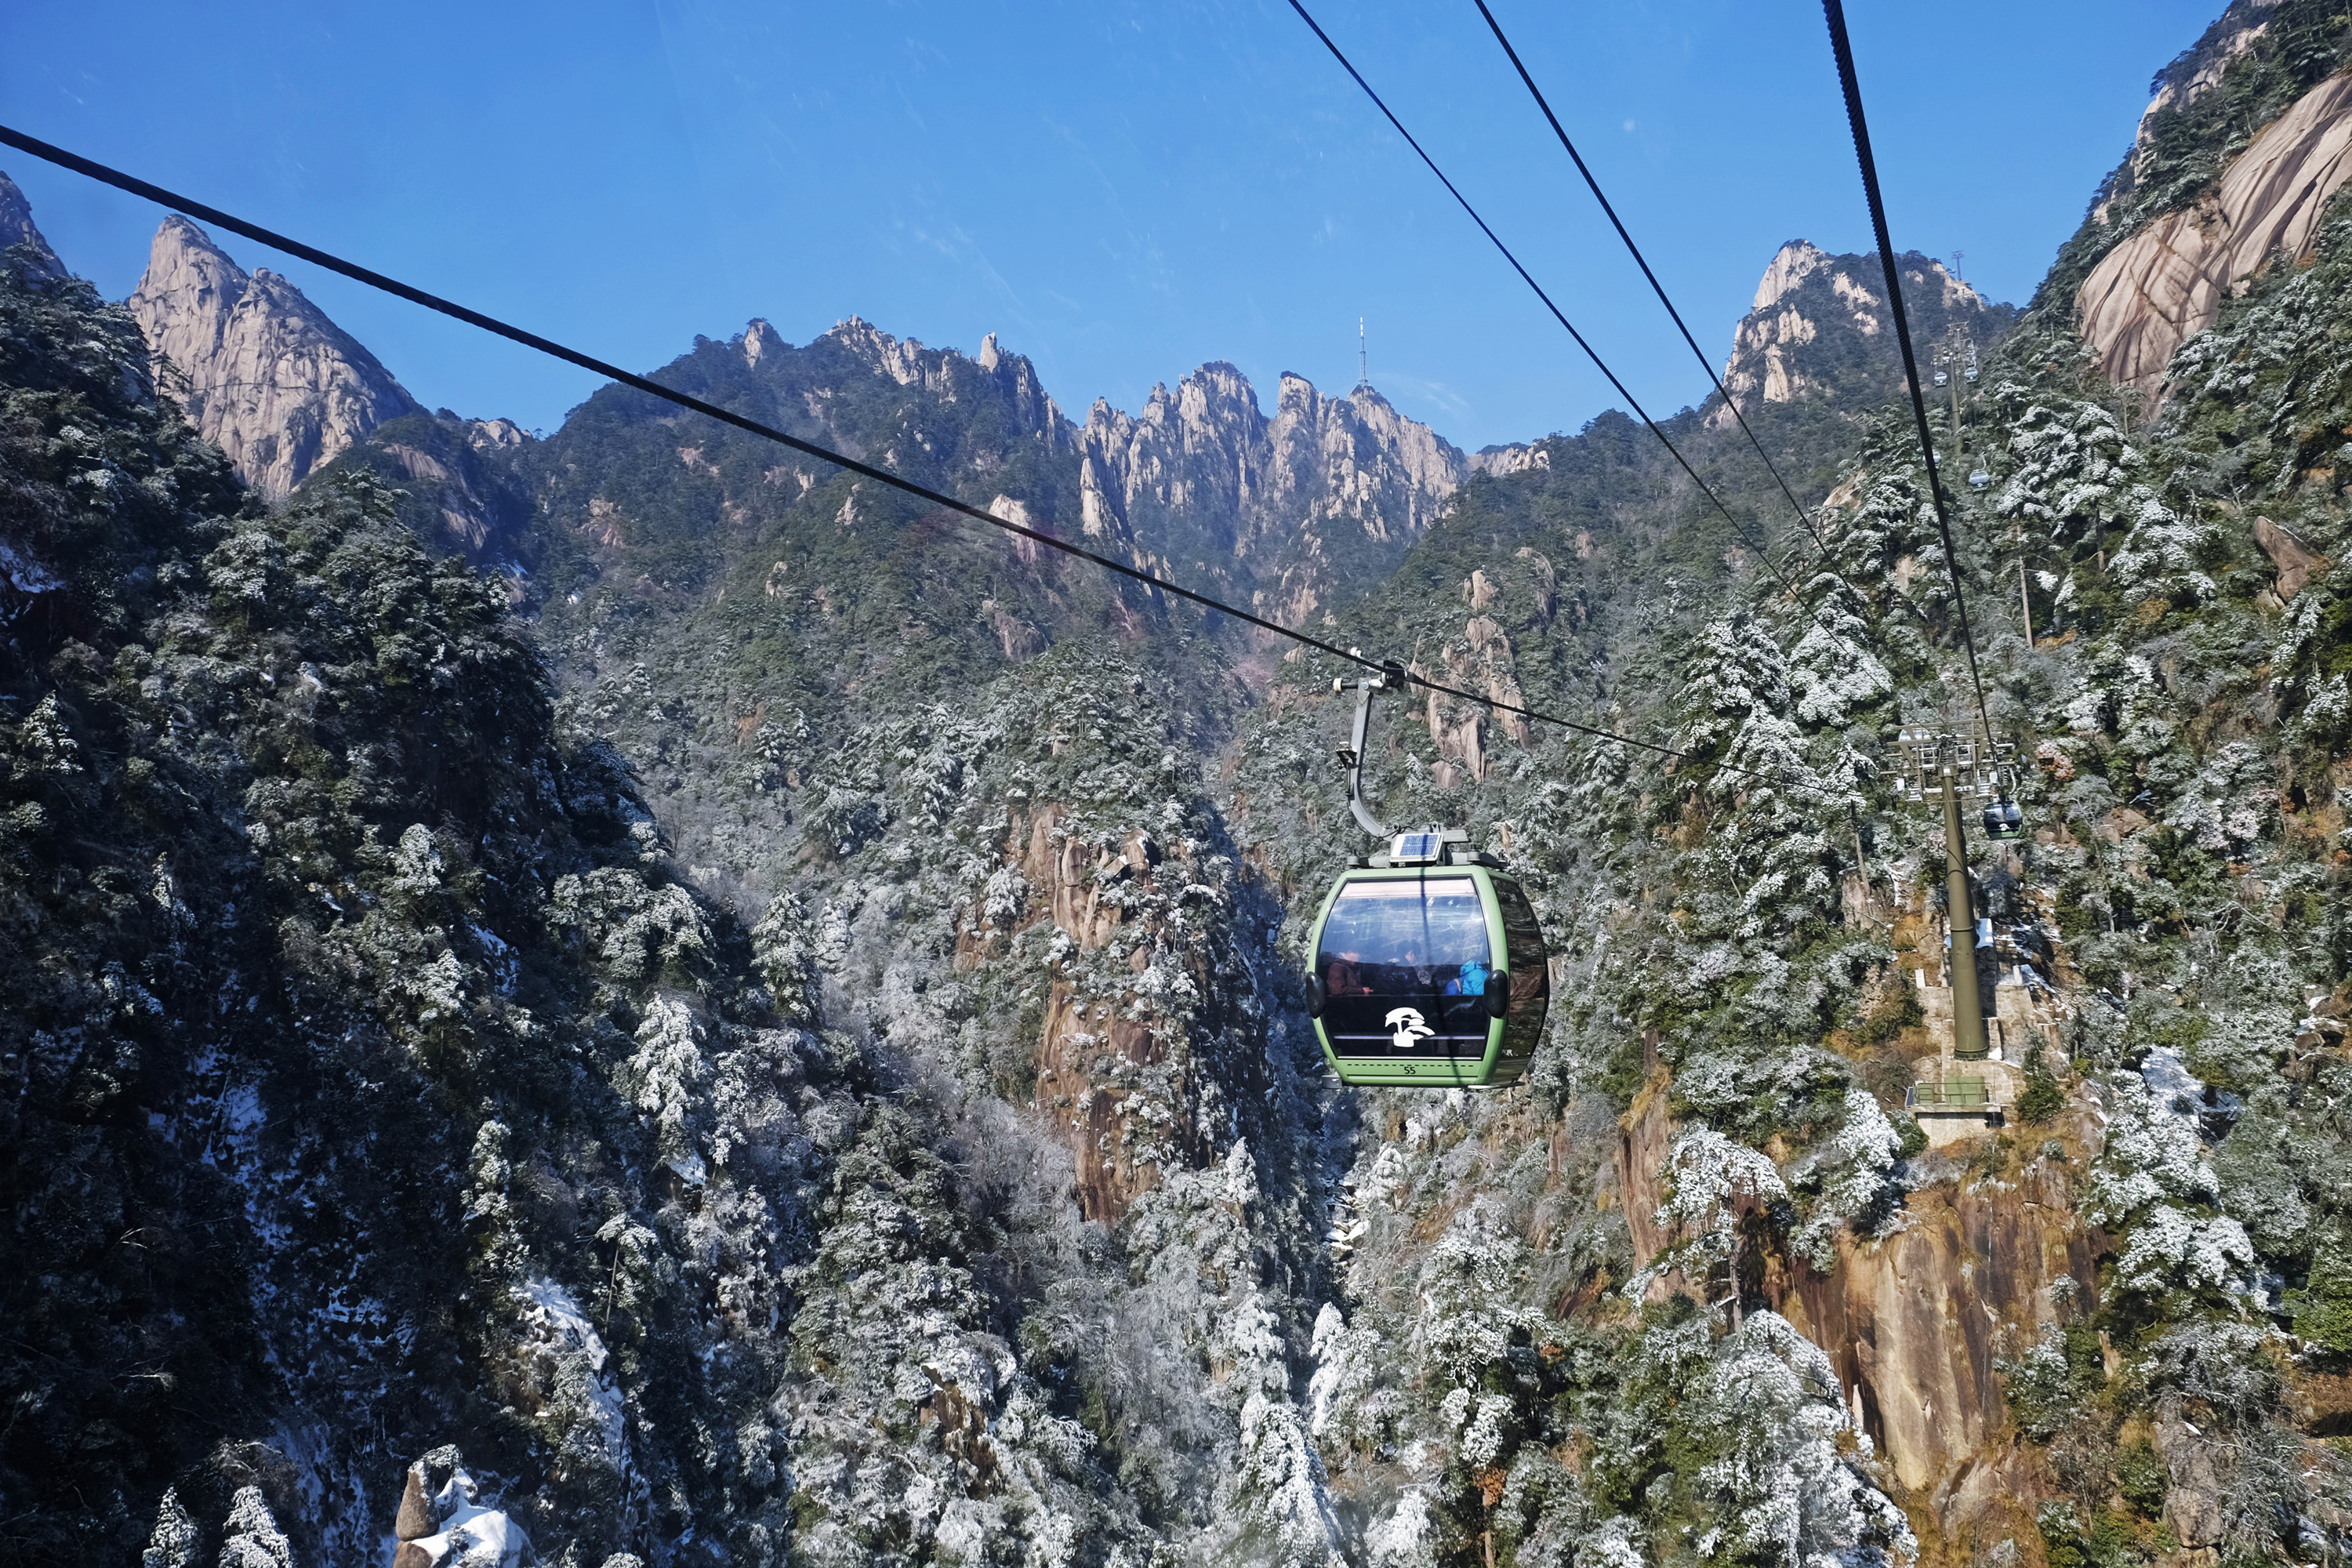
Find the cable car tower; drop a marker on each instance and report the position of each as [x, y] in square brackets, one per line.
[1945, 765]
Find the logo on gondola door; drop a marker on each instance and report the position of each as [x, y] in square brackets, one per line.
[1410, 1026]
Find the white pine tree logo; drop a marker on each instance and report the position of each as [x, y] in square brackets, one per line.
[1408, 1026]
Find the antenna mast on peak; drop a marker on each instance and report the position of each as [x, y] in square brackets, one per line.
[1363, 375]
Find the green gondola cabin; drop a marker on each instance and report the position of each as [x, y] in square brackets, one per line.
[1430, 970]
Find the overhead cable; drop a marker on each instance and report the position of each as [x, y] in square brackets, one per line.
[1655, 287]
[108, 176]
[1762, 549]
[1843, 48]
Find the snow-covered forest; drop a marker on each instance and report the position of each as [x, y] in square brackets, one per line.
[757, 1027]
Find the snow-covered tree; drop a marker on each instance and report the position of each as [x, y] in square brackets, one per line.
[1767, 858]
[663, 1078]
[1853, 1173]
[1709, 1176]
[1785, 1490]
[2070, 474]
[2155, 1184]
[785, 949]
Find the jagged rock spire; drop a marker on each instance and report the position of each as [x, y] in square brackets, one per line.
[261, 371]
[1820, 328]
[17, 229]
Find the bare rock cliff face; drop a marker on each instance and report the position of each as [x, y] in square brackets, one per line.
[17, 229]
[461, 487]
[264, 375]
[1820, 328]
[1296, 510]
[2164, 284]
[1131, 1072]
[1919, 1321]
[1193, 461]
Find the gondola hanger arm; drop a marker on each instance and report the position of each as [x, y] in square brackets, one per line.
[1391, 677]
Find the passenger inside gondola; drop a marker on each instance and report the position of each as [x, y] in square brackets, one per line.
[1341, 977]
[1421, 942]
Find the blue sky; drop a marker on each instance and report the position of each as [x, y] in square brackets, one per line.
[1120, 191]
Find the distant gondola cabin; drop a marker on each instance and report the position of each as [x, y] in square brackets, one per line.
[1430, 970]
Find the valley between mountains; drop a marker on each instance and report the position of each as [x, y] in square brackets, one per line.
[622, 998]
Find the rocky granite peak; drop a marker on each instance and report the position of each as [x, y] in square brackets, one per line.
[17, 229]
[760, 340]
[945, 371]
[903, 359]
[1820, 327]
[262, 372]
[501, 434]
[1796, 261]
[1295, 511]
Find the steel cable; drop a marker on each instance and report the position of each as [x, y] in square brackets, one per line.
[1843, 48]
[1762, 549]
[1656, 288]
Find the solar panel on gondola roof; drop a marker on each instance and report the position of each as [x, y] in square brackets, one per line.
[1415, 848]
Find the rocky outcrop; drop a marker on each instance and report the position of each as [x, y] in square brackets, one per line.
[2192, 1508]
[1357, 457]
[442, 1520]
[1091, 1051]
[1297, 510]
[17, 229]
[2296, 562]
[2189, 78]
[1512, 459]
[1195, 456]
[1645, 1134]
[1117, 1070]
[24, 580]
[2164, 284]
[1820, 328]
[1917, 1323]
[458, 480]
[261, 371]
[760, 340]
[1524, 592]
